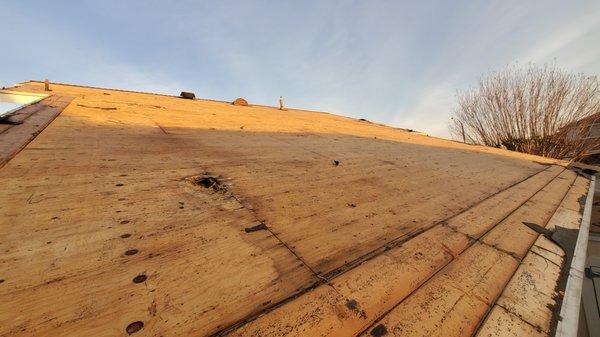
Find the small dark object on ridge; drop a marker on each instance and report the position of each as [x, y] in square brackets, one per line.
[240, 102]
[362, 120]
[336, 162]
[187, 95]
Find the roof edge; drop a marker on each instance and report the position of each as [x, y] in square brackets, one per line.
[229, 102]
[528, 156]
[570, 309]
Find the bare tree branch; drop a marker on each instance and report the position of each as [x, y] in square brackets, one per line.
[539, 110]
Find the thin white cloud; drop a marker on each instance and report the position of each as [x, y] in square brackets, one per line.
[566, 36]
[528, 36]
[390, 62]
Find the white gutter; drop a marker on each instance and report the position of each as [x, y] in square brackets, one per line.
[569, 312]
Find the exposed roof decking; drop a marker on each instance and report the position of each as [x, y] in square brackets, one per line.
[476, 277]
[205, 273]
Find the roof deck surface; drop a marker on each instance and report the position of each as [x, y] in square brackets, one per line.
[133, 213]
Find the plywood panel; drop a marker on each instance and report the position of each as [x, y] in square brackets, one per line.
[353, 300]
[501, 323]
[530, 294]
[478, 220]
[108, 176]
[78, 218]
[514, 236]
[376, 286]
[452, 303]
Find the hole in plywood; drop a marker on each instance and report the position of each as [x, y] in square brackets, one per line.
[131, 252]
[140, 278]
[134, 327]
[208, 182]
[379, 331]
[352, 304]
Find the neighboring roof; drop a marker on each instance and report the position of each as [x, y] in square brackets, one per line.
[11, 101]
[155, 215]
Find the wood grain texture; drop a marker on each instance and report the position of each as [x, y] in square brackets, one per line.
[456, 300]
[530, 294]
[528, 303]
[378, 285]
[103, 197]
[501, 323]
[514, 236]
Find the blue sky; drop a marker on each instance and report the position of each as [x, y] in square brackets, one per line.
[395, 62]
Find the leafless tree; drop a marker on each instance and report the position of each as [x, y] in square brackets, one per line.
[539, 110]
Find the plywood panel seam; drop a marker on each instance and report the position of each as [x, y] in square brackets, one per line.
[537, 328]
[492, 303]
[321, 280]
[480, 239]
[546, 259]
[255, 216]
[228, 329]
[423, 282]
[400, 240]
[547, 250]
